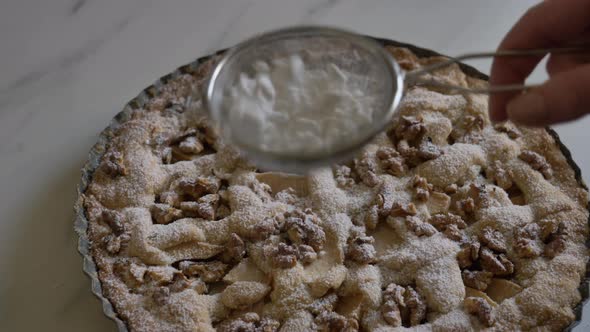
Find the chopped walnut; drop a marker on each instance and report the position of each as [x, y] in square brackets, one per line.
[393, 302]
[402, 210]
[343, 176]
[205, 207]
[499, 265]
[469, 253]
[477, 279]
[236, 325]
[380, 202]
[497, 173]
[554, 236]
[466, 206]
[284, 256]
[250, 322]
[391, 161]
[537, 162]
[443, 221]
[112, 164]
[526, 248]
[419, 227]
[474, 122]
[416, 306]
[207, 271]
[555, 247]
[422, 188]
[525, 243]
[306, 254]
[509, 129]
[186, 146]
[328, 321]
[179, 282]
[493, 239]
[302, 227]
[360, 248]
[454, 233]
[246, 323]
[161, 295]
[402, 306]
[199, 187]
[479, 195]
[164, 213]
[265, 227]
[235, 249]
[409, 153]
[191, 145]
[481, 308]
[113, 220]
[413, 156]
[268, 325]
[365, 167]
[409, 129]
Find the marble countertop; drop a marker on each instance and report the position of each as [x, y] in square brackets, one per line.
[68, 66]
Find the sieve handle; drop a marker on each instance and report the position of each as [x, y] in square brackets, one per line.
[414, 77]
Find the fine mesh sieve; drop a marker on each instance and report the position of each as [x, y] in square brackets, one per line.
[375, 72]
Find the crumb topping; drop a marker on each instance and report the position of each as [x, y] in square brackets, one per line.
[444, 222]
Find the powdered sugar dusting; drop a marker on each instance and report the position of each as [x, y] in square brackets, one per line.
[186, 273]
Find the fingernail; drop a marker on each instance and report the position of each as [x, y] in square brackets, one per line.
[528, 108]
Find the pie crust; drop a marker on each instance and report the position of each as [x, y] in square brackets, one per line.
[445, 222]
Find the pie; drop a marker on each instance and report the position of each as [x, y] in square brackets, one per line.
[444, 222]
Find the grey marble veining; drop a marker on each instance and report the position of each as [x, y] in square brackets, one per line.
[68, 66]
[77, 6]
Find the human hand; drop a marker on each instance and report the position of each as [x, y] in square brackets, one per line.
[566, 95]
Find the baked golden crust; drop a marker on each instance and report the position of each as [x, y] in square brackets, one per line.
[445, 222]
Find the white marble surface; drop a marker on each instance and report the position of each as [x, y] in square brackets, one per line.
[68, 66]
